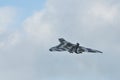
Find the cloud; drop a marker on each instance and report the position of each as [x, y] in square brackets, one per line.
[7, 19]
[7, 15]
[37, 28]
[101, 13]
[91, 23]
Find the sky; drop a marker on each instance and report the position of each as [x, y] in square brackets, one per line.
[29, 28]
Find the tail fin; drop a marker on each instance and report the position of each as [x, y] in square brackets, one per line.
[62, 40]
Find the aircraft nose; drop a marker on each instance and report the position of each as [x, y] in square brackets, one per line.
[50, 49]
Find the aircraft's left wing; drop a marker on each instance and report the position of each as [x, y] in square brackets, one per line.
[63, 46]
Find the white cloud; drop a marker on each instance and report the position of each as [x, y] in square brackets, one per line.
[89, 24]
[11, 40]
[2, 44]
[2, 30]
[104, 12]
[37, 28]
[7, 15]
[100, 12]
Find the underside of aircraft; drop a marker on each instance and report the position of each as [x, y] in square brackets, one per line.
[71, 48]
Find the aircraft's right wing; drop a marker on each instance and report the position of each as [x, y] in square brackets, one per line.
[91, 50]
